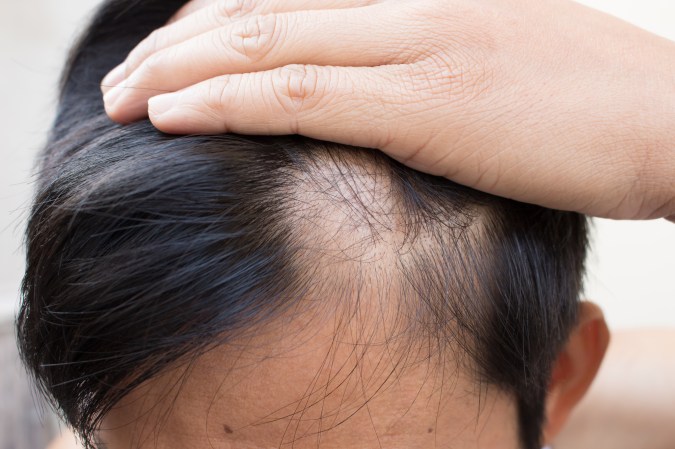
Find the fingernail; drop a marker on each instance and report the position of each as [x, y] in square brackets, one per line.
[161, 104]
[110, 98]
[113, 78]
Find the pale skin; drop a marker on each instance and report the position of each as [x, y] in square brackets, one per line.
[544, 101]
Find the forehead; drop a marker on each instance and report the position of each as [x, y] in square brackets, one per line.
[333, 381]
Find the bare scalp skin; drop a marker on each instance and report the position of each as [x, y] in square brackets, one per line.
[333, 384]
[602, 406]
[547, 102]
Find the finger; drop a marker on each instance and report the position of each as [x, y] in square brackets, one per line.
[328, 103]
[346, 37]
[192, 7]
[196, 6]
[210, 17]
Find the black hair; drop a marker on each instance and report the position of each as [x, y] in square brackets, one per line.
[130, 226]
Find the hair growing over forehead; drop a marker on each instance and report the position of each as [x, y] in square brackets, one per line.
[144, 249]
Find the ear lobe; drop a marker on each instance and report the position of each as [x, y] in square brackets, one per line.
[576, 367]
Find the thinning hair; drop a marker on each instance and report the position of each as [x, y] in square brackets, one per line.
[129, 226]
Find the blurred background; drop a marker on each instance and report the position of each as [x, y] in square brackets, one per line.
[631, 269]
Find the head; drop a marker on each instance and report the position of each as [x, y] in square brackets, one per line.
[265, 292]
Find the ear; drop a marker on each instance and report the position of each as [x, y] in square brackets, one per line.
[576, 367]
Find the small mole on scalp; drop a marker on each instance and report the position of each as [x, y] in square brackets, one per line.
[227, 429]
[430, 430]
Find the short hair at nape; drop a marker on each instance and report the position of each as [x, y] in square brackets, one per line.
[129, 225]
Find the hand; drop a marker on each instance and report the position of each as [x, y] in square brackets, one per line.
[544, 101]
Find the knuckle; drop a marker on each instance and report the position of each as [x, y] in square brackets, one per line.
[298, 87]
[214, 96]
[256, 37]
[227, 10]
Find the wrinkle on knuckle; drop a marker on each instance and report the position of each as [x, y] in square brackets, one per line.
[255, 38]
[297, 87]
[227, 10]
[215, 95]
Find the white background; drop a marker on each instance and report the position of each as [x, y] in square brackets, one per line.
[632, 267]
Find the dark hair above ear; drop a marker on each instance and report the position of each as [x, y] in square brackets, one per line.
[144, 250]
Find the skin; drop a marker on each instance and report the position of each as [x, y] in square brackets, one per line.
[317, 380]
[459, 97]
[641, 416]
[543, 101]
[633, 395]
